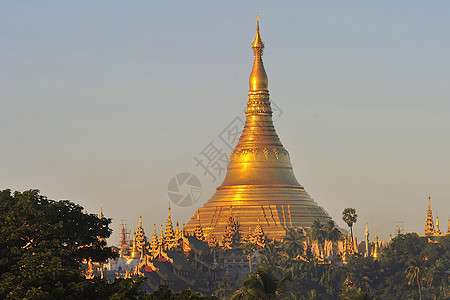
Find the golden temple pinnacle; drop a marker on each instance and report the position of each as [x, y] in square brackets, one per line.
[258, 78]
[260, 183]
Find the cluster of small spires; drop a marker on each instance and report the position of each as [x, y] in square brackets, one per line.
[430, 229]
[167, 240]
[373, 249]
[172, 238]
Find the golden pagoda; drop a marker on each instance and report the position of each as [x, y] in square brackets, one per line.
[199, 230]
[260, 182]
[135, 253]
[376, 249]
[169, 235]
[258, 236]
[141, 240]
[154, 242]
[430, 229]
[161, 238]
[429, 226]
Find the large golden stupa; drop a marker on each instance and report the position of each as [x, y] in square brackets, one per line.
[260, 187]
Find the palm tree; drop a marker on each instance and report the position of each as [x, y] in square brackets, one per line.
[249, 249]
[349, 216]
[224, 287]
[318, 233]
[270, 256]
[293, 242]
[334, 234]
[262, 285]
[412, 274]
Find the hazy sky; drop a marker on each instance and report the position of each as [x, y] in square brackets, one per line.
[106, 101]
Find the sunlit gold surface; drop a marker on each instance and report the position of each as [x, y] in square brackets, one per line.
[260, 183]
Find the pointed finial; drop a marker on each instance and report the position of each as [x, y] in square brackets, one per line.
[154, 228]
[429, 202]
[257, 42]
[140, 220]
[437, 224]
[258, 78]
[169, 211]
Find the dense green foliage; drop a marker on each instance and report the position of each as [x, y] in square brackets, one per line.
[261, 285]
[408, 263]
[42, 243]
[164, 293]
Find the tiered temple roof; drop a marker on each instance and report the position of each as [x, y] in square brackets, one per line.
[430, 229]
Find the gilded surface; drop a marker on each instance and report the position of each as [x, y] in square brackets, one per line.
[260, 186]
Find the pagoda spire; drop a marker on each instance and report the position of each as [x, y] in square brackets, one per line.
[259, 157]
[376, 250]
[161, 237]
[429, 226]
[141, 240]
[134, 250]
[366, 236]
[259, 236]
[429, 202]
[169, 235]
[100, 215]
[154, 242]
[258, 78]
[199, 230]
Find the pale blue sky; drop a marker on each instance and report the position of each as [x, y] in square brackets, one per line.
[105, 101]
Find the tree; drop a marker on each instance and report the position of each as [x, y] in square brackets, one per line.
[164, 293]
[293, 242]
[271, 256]
[262, 285]
[349, 216]
[225, 286]
[318, 234]
[333, 232]
[412, 274]
[43, 242]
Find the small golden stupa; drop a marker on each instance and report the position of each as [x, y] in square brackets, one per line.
[260, 188]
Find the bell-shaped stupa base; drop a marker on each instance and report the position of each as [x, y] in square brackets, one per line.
[275, 208]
